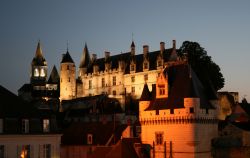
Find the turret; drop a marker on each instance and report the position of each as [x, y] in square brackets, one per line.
[39, 67]
[67, 78]
[85, 61]
[145, 98]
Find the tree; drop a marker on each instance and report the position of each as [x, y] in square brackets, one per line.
[207, 71]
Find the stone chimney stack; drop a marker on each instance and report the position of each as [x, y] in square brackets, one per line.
[162, 47]
[145, 50]
[107, 55]
[174, 44]
[94, 57]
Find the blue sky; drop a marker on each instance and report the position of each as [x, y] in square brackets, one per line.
[221, 27]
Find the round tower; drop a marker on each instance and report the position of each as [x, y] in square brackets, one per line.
[67, 78]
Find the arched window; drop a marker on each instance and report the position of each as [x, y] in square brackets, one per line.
[36, 72]
[42, 73]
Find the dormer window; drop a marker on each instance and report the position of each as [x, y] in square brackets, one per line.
[132, 67]
[159, 63]
[161, 90]
[42, 73]
[145, 65]
[46, 125]
[25, 126]
[89, 139]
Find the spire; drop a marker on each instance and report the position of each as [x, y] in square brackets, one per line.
[132, 44]
[39, 53]
[54, 76]
[85, 59]
[146, 95]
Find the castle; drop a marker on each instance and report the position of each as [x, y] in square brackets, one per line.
[117, 76]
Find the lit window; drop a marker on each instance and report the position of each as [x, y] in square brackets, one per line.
[1, 125]
[89, 139]
[1, 150]
[133, 79]
[46, 125]
[191, 110]
[133, 89]
[159, 138]
[145, 77]
[114, 80]
[42, 73]
[25, 125]
[90, 84]
[36, 72]
[25, 151]
[103, 82]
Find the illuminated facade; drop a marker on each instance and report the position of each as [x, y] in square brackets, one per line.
[177, 118]
[117, 76]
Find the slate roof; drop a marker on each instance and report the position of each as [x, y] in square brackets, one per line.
[25, 88]
[126, 57]
[39, 60]
[13, 106]
[76, 133]
[54, 76]
[67, 58]
[146, 95]
[85, 59]
[183, 83]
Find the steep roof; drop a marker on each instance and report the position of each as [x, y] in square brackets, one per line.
[85, 59]
[54, 76]
[126, 57]
[183, 83]
[77, 132]
[67, 58]
[13, 106]
[146, 95]
[39, 60]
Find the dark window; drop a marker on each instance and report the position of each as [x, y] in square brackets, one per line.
[133, 90]
[90, 84]
[114, 92]
[103, 82]
[67, 67]
[159, 138]
[2, 151]
[157, 112]
[207, 112]
[191, 110]
[114, 80]
[132, 67]
[69, 79]
[146, 65]
[171, 111]
[145, 77]
[133, 79]
[47, 150]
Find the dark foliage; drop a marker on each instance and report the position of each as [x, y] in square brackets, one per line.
[207, 71]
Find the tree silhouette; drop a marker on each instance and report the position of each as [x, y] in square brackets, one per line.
[207, 71]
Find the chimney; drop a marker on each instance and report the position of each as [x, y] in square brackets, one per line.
[174, 44]
[162, 47]
[94, 57]
[107, 55]
[145, 49]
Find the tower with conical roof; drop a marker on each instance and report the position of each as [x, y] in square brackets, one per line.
[67, 78]
[39, 68]
[85, 61]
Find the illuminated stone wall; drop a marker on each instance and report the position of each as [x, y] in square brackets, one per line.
[67, 81]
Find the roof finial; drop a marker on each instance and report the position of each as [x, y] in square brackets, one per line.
[132, 36]
[67, 45]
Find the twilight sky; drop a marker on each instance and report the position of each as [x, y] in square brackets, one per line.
[221, 27]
